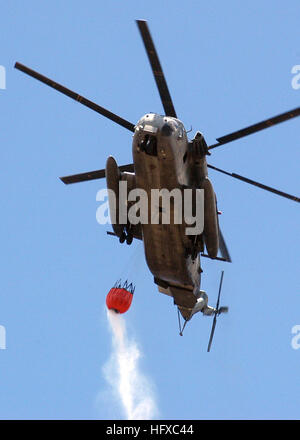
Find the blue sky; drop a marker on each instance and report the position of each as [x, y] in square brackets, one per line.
[228, 65]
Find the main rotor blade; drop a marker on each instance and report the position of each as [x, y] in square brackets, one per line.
[223, 248]
[256, 127]
[93, 175]
[156, 69]
[259, 185]
[97, 108]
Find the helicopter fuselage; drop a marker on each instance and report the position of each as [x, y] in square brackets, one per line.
[164, 159]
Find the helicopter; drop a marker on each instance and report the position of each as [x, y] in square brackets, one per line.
[165, 158]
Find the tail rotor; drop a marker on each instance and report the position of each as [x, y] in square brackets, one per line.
[217, 312]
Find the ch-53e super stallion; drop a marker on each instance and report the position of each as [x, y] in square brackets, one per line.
[164, 158]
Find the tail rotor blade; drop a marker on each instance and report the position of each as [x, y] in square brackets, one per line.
[212, 333]
[220, 288]
[216, 313]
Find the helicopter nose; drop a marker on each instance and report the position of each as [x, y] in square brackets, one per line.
[166, 129]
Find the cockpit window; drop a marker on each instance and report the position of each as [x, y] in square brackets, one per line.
[149, 145]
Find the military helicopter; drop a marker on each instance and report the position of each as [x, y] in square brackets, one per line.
[164, 157]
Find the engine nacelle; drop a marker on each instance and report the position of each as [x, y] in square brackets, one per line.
[211, 225]
[113, 176]
[118, 203]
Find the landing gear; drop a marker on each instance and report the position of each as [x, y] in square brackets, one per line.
[196, 246]
[126, 236]
[129, 238]
[186, 253]
[192, 252]
[122, 237]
